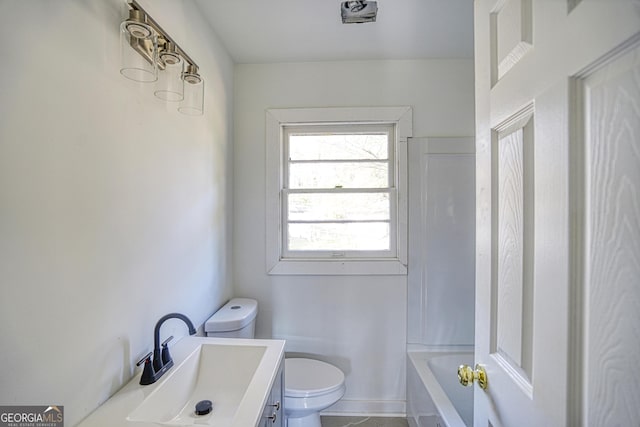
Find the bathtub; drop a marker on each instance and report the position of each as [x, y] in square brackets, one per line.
[434, 396]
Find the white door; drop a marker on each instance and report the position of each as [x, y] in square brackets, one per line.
[558, 212]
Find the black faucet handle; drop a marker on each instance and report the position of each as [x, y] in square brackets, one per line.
[166, 356]
[145, 359]
[165, 342]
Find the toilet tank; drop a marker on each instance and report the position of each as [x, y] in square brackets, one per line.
[236, 319]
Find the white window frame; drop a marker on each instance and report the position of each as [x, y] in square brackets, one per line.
[276, 121]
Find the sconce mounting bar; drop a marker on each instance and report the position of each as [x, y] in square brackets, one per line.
[133, 4]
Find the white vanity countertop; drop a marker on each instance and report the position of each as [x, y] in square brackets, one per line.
[115, 411]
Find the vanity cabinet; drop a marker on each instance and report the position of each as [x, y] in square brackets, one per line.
[273, 413]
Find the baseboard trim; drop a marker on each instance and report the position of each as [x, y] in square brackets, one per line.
[372, 408]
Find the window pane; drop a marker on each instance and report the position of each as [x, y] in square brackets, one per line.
[337, 146]
[338, 206]
[336, 175]
[339, 237]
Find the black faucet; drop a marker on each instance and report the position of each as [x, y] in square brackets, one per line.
[162, 360]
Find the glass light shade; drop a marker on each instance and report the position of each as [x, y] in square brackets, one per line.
[193, 103]
[138, 49]
[170, 86]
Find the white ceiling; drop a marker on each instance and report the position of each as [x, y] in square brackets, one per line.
[259, 31]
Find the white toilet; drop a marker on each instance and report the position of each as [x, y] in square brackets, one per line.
[310, 385]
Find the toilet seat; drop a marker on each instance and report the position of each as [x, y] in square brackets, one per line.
[309, 378]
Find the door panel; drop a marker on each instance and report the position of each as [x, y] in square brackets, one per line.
[511, 35]
[512, 287]
[611, 97]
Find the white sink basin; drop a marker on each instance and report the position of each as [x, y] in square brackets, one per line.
[219, 373]
[235, 374]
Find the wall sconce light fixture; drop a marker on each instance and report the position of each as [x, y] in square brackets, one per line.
[193, 103]
[138, 49]
[148, 54]
[170, 85]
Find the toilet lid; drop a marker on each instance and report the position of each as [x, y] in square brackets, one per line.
[308, 377]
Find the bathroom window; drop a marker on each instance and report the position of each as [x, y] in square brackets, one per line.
[339, 195]
[336, 183]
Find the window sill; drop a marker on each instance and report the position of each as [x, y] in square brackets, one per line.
[342, 267]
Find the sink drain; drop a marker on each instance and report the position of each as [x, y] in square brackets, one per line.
[204, 407]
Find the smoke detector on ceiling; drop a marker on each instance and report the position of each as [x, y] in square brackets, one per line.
[358, 12]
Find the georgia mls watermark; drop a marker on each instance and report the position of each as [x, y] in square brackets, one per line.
[32, 416]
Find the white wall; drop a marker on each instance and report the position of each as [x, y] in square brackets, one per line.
[114, 208]
[357, 323]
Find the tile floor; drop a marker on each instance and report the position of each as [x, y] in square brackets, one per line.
[363, 422]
